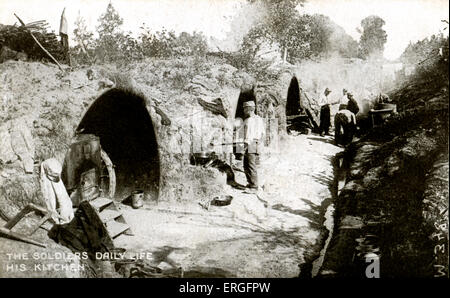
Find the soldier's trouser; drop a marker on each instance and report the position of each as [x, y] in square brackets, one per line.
[325, 119]
[251, 161]
[338, 130]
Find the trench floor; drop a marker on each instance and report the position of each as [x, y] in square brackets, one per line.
[267, 234]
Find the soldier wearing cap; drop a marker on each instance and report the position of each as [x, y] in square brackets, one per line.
[325, 114]
[352, 105]
[254, 132]
[344, 96]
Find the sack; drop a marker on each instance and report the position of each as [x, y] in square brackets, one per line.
[58, 203]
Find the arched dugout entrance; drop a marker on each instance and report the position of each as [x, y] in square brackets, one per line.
[245, 95]
[121, 120]
[293, 98]
[298, 117]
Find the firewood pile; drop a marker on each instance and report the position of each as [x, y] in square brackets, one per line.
[19, 39]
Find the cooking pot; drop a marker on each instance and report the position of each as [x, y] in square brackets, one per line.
[137, 199]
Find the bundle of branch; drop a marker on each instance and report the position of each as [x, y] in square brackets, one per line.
[217, 106]
[18, 38]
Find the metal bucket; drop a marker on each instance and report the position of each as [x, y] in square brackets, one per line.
[137, 199]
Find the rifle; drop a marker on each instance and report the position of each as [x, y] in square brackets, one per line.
[226, 144]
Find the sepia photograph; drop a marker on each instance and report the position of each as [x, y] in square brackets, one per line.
[225, 139]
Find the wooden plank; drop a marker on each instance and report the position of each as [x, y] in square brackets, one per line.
[27, 209]
[311, 118]
[12, 222]
[8, 233]
[100, 203]
[40, 223]
[109, 214]
[115, 228]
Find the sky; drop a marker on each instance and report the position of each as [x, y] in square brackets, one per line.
[406, 20]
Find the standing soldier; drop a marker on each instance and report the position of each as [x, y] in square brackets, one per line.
[63, 32]
[254, 133]
[344, 96]
[352, 105]
[325, 114]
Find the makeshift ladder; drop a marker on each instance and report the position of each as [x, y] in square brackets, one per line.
[103, 223]
[6, 230]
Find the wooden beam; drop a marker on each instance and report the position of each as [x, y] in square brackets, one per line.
[29, 208]
[10, 234]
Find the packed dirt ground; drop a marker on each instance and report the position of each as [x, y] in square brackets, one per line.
[267, 234]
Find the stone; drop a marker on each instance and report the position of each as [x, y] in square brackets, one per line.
[204, 82]
[356, 170]
[372, 177]
[364, 153]
[105, 83]
[164, 266]
[351, 222]
[43, 123]
[393, 165]
[7, 154]
[22, 143]
[353, 186]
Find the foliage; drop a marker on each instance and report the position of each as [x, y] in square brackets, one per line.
[274, 27]
[280, 16]
[115, 45]
[373, 37]
[342, 43]
[19, 39]
[165, 44]
[110, 35]
[318, 30]
[429, 58]
[159, 44]
[191, 44]
[299, 36]
[85, 43]
[421, 50]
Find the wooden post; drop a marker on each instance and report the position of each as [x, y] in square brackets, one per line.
[39, 44]
[65, 45]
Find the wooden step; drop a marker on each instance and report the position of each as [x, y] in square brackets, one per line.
[109, 214]
[115, 228]
[100, 203]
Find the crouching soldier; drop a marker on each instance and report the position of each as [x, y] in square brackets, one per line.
[345, 126]
[254, 133]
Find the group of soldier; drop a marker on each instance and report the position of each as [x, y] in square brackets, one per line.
[344, 120]
[254, 130]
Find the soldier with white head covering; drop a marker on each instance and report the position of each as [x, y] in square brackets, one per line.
[325, 113]
[254, 133]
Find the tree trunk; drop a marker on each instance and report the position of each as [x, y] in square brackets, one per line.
[285, 55]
